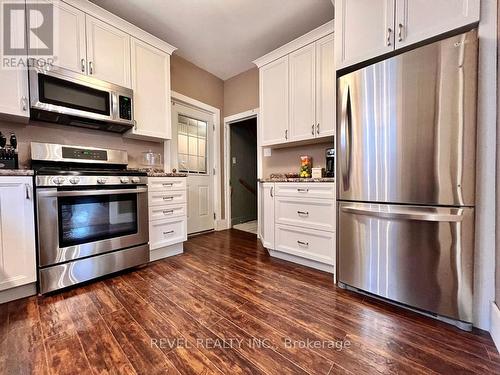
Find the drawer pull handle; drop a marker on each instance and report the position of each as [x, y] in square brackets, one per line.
[168, 212]
[168, 184]
[168, 198]
[302, 190]
[303, 213]
[169, 232]
[301, 243]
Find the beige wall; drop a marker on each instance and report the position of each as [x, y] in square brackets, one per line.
[53, 133]
[241, 92]
[497, 260]
[190, 80]
[285, 160]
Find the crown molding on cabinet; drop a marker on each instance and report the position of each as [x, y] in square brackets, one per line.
[108, 17]
[295, 44]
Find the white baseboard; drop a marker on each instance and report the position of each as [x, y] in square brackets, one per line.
[303, 261]
[167, 251]
[495, 324]
[222, 225]
[18, 293]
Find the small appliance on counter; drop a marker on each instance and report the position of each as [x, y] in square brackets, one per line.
[8, 153]
[330, 162]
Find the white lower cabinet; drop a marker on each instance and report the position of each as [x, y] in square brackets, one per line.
[17, 232]
[167, 216]
[307, 243]
[298, 223]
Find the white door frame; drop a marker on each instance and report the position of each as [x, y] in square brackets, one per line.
[253, 113]
[215, 112]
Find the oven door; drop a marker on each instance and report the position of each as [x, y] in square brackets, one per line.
[80, 223]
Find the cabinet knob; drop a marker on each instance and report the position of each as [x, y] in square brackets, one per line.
[286, 134]
[83, 65]
[312, 130]
[24, 103]
[317, 128]
[91, 67]
[389, 32]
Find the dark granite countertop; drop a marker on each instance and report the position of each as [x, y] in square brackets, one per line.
[161, 173]
[16, 172]
[308, 180]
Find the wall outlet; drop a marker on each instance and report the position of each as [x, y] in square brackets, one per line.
[267, 152]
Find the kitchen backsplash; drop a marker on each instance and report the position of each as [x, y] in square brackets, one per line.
[53, 133]
[284, 160]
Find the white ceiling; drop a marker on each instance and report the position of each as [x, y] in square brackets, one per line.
[223, 36]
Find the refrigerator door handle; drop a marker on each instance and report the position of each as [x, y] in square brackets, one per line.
[408, 214]
[345, 147]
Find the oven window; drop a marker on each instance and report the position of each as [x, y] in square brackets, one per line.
[89, 219]
[71, 95]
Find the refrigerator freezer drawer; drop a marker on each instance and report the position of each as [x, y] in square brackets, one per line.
[418, 256]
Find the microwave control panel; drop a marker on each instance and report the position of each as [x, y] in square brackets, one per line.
[125, 107]
[84, 154]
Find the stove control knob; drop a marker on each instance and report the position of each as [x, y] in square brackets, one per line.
[124, 180]
[102, 180]
[136, 180]
[74, 180]
[58, 180]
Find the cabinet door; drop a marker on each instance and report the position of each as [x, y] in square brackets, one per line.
[108, 52]
[274, 102]
[364, 29]
[14, 82]
[17, 235]
[267, 217]
[417, 20]
[69, 37]
[325, 87]
[302, 93]
[151, 85]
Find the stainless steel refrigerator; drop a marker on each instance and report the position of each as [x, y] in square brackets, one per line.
[406, 142]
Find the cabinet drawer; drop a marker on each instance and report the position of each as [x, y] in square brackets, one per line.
[159, 198]
[167, 232]
[167, 211]
[166, 183]
[305, 212]
[306, 243]
[315, 190]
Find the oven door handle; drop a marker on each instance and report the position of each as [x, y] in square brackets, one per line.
[85, 193]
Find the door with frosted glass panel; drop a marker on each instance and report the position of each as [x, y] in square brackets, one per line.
[192, 153]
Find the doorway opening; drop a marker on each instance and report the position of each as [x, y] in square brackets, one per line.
[243, 174]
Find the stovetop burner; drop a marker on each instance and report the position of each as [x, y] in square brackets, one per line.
[71, 171]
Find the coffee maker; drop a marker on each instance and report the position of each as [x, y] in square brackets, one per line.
[330, 162]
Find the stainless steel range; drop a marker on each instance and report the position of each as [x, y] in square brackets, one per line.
[92, 214]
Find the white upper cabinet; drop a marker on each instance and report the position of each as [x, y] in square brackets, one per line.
[108, 52]
[274, 101]
[151, 85]
[69, 38]
[325, 87]
[364, 29]
[17, 237]
[302, 93]
[14, 82]
[417, 20]
[370, 28]
[297, 89]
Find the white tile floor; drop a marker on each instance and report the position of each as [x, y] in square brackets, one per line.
[249, 226]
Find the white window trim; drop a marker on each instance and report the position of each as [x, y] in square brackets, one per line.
[215, 112]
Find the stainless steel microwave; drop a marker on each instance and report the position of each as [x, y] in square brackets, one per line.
[65, 97]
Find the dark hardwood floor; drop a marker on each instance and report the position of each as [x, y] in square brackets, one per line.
[226, 307]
